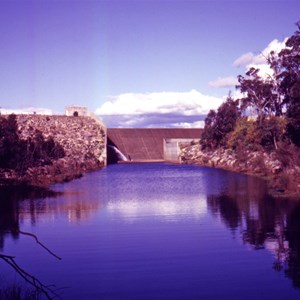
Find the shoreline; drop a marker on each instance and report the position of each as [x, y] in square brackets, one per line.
[43, 176]
[281, 183]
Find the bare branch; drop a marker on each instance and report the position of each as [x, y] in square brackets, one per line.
[37, 240]
[39, 286]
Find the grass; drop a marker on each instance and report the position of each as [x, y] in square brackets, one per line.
[18, 292]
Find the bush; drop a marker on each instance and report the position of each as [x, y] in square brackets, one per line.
[293, 126]
[250, 135]
[273, 130]
[246, 135]
[288, 155]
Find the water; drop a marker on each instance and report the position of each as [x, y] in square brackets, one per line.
[156, 231]
[116, 154]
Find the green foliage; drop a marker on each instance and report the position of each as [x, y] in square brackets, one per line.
[19, 154]
[10, 145]
[273, 130]
[260, 94]
[293, 115]
[250, 135]
[275, 100]
[219, 124]
[245, 135]
[289, 79]
[287, 154]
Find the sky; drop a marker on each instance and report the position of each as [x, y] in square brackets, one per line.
[135, 63]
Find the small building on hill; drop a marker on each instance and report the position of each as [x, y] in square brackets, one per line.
[76, 111]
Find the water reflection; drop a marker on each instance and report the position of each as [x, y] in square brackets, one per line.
[18, 205]
[73, 206]
[262, 222]
[10, 201]
[166, 209]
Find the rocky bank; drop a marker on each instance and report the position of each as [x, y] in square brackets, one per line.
[282, 180]
[83, 140]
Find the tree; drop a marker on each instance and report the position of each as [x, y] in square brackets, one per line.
[208, 134]
[276, 94]
[289, 60]
[260, 94]
[10, 144]
[219, 124]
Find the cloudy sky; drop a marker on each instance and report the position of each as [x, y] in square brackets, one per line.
[142, 63]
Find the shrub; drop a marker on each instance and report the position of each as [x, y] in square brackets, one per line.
[288, 155]
[245, 135]
[249, 134]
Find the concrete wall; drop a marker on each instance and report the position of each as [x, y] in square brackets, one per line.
[142, 144]
[76, 110]
[172, 148]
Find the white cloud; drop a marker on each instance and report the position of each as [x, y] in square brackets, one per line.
[27, 111]
[260, 60]
[185, 103]
[275, 46]
[244, 60]
[196, 124]
[249, 60]
[237, 94]
[225, 82]
[162, 109]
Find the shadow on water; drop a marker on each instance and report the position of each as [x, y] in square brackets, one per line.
[10, 200]
[263, 222]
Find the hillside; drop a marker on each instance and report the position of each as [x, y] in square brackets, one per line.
[40, 150]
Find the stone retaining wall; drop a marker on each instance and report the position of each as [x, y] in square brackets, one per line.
[82, 138]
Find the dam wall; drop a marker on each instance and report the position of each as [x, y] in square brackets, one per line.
[146, 144]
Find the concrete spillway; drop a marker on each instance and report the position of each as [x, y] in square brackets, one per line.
[142, 144]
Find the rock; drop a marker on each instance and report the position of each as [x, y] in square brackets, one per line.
[83, 140]
[250, 162]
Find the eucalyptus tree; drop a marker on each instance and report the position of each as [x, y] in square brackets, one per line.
[276, 94]
[289, 60]
[259, 94]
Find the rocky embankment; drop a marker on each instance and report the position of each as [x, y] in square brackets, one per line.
[282, 180]
[82, 139]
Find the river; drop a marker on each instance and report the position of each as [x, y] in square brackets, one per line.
[155, 231]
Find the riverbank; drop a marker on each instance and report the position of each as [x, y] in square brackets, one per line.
[81, 139]
[283, 179]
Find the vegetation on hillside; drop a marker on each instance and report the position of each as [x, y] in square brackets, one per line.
[267, 117]
[20, 154]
